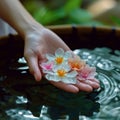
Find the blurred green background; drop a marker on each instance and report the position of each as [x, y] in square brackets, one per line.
[83, 12]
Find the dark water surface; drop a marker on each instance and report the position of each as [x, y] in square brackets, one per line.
[23, 99]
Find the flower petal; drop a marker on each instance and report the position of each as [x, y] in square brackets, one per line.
[67, 55]
[47, 66]
[59, 52]
[72, 74]
[65, 66]
[52, 77]
[50, 57]
[55, 68]
[48, 72]
[69, 80]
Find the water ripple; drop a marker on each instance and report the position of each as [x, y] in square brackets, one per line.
[108, 88]
[102, 104]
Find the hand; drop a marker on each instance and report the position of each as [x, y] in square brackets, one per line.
[42, 41]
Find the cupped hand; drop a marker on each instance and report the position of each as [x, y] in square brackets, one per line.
[40, 42]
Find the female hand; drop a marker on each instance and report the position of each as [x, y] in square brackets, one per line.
[40, 42]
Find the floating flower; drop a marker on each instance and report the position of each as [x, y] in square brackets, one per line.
[62, 73]
[76, 63]
[60, 56]
[87, 73]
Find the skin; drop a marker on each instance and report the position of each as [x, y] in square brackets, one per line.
[38, 41]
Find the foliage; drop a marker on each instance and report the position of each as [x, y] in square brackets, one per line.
[68, 13]
[115, 20]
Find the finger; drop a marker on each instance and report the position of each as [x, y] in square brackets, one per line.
[95, 80]
[84, 87]
[66, 87]
[34, 67]
[93, 84]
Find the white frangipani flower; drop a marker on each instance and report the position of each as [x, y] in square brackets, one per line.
[60, 56]
[62, 73]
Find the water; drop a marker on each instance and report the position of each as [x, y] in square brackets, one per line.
[23, 99]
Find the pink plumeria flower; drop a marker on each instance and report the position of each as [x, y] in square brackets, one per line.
[47, 66]
[60, 56]
[87, 73]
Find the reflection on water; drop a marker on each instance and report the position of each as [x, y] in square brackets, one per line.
[23, 99]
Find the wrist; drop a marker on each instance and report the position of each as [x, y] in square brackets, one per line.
[30, 28]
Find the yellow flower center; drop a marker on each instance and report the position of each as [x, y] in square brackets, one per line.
[75, 65]
[61, 73]
[59, 60]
